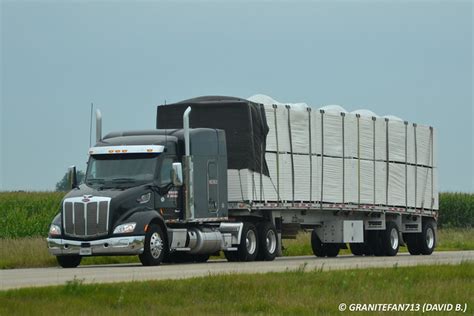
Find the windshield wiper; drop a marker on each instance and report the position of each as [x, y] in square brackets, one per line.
[123, 180]
[95, 180]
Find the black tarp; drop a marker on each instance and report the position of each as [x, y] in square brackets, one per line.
[244, 123]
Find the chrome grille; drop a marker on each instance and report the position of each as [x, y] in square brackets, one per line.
[86, 216]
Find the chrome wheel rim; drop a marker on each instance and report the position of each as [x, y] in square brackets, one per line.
[430, 238]
[251, 242]
[270, 241]
[394, 238]
[156, 245]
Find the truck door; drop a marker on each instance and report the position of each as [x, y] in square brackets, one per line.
[212, 186]
[168, 201]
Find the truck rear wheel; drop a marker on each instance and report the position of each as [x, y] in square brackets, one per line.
[427, 238]
[155, 247]
[389, 239]
[231, 256]
[248, 247]
[268, 242]
[69, 261]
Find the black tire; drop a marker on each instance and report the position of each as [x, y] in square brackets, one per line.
[412, 242]
[155, 247]
[390, 239]
[427, 238]
[201, 258]
[332, 250]
[357, 249]
[268, 241]
[69, 261]
[374, 242]
[248, 247]
[316, 244]
[231, 256]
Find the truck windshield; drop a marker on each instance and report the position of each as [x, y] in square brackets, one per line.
[121, 170]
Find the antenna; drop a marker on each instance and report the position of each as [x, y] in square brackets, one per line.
[90, 126]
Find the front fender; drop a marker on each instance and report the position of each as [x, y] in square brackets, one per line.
[142, 217]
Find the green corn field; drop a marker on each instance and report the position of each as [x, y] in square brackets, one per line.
[28, 214]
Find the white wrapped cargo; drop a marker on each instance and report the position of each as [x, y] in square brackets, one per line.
[331, 156]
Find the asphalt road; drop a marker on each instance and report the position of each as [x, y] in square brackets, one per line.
[19, 278]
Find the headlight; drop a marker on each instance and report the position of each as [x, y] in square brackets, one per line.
[145, 198]
[54, 230]
[125, 228]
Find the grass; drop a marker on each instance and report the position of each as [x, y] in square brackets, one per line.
[29, 214]
[288, 293]
[32, 252]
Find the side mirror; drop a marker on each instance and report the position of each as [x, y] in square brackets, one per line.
[72, 177]
[177, 174]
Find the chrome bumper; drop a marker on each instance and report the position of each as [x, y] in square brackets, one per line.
[132, 245]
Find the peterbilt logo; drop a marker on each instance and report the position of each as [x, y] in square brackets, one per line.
[86, 198]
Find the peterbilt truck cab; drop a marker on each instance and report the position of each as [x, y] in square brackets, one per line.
[134, 200]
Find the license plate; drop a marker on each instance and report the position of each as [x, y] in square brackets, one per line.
[85, 251]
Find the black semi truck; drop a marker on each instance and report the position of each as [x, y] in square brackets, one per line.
[177, 193]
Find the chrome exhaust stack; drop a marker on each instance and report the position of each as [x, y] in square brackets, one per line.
[188, 168]
[98, 126]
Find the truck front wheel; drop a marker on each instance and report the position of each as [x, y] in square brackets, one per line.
[155, 246]
[69, 261]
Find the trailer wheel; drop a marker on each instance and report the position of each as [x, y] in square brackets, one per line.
[374, 242]
[268, 239]
[390, 240]
[427, 237]
[332, 250]
[69, 261]
[357, 249]
[412, 242]
[318, 248]
[248, 247]
[155, 247]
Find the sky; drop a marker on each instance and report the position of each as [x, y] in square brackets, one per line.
[412, 59]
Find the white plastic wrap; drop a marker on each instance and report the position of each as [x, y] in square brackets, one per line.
[316, 132]
[411, 185]
[332, 182]
[380, 139]
[396, 141]
[367, 194]
[366, 138]
[332, 134]
[423, 141]
[350, 135]
[407, 183]
[396, 184]
[299, 118]
[302, 177]
[380, 183]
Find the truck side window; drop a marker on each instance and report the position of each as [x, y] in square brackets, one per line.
[165, 173]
